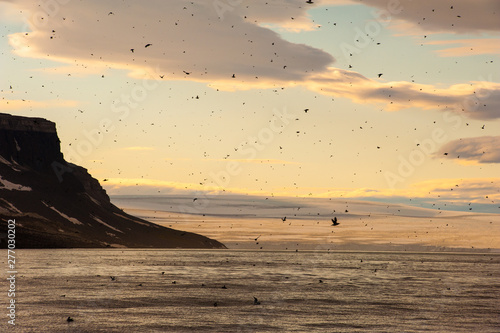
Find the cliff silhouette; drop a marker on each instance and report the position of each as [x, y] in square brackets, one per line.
[57, 204]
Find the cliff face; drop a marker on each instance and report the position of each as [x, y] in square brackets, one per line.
[58, 204]
[30, 142]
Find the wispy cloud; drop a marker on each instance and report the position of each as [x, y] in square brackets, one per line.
[458, 16]
[467, 47]
[484, 149]
[478, 99]
[252, 160]
[136, 148]
[155, 186]
[478, 190]
[18, 104]
[469, 190]
[189, 41]
[185, 37]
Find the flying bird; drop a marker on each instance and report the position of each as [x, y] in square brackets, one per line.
[69, 320]
[148, 45]
[380, 74]
[283, 219]
[255, 301]
[334, 221]
[305, 110]
[309, 1]
[187, 73]
[132, 50]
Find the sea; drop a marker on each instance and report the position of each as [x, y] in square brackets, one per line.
[173, 290]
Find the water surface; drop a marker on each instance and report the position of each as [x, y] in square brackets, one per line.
[176, 290]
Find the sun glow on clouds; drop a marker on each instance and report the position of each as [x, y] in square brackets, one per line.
[139, 148]
[252, 160]
[188, 41]
[473, 150]
[18, 104]
[467, 47]
[243, 50]
[478, 99]
[476, 190]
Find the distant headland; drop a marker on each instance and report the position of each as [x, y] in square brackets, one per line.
[57, 204]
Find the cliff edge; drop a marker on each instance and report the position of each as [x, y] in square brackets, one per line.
[57, 204]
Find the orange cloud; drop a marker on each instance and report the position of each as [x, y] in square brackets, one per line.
[139, 148]
[485, 149]
[18, 104]
[253, 160]
[468, 47]
[477, 99]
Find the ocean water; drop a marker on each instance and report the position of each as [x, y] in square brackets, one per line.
[305, 291]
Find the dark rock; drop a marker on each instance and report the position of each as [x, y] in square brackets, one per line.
[57, 204]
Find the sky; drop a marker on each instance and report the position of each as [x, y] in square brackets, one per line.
[394, 101]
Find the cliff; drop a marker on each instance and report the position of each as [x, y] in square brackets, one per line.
[57, 204]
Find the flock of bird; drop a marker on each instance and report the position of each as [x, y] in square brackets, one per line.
[215, 304]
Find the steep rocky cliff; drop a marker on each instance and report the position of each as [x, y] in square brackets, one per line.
[59, 204]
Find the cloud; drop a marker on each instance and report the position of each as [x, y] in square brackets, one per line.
[17, 104]
[468, 190]
[253, 160]
[184, 37]
[231, 48]
[479, 100]
[478, 190]
[484, 149]
[138, 148]
[116, 186]
[467, 47]
[458, 16]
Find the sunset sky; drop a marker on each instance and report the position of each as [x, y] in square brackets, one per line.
[378, 100]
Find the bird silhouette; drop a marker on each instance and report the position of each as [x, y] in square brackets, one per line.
[334, 221]
[255, 301]
[309, 1]
[283, 219]
[148, 45]
[69, 320]
[380, 74]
